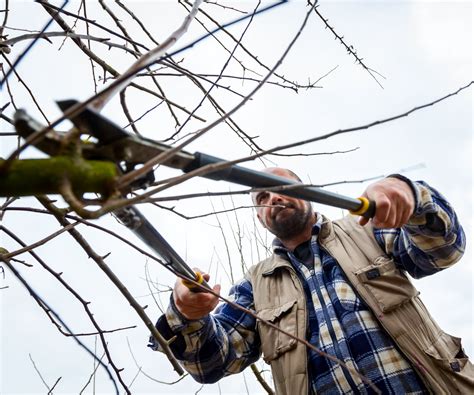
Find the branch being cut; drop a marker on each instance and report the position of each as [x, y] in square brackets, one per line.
[29, 177]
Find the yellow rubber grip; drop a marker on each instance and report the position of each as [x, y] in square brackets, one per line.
[363, 207]
[199, 279]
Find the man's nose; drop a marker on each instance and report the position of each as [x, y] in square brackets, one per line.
[275, 198]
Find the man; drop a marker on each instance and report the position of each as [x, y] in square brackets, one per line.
[342, 286]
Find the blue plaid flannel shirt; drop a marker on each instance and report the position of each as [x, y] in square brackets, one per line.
[340, 323]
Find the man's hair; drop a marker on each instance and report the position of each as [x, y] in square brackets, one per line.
[294, 175]
[290, 172]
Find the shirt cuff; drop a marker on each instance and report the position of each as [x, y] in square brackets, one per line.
[414, 188]
[178, 323]
[427, 213]
[174, 324]
[165, 331]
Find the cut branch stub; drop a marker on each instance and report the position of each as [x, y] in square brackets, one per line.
[30, 177]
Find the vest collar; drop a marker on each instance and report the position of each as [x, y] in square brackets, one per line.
[323, 228]
[326, 232]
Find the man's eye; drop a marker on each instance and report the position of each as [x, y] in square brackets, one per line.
[260, 198]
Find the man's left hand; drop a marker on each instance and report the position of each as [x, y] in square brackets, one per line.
[394, 203]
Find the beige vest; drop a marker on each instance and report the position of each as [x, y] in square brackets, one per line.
[279, 297]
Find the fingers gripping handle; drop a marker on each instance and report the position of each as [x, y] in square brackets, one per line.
[199, 279]
[366, 209]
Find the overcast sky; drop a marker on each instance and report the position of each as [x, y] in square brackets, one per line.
[424, 51]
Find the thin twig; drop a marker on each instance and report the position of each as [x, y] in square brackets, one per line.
[222, 165]
[39, 373]
[5, 16]
[52, 7]
[88, 37]
[117, 282]
[28, 48]
[349, 48]
[207, 93]
[12, 67]
[91, 376]
[40, 242]
[131, 176]
[45, 306]
[76, 109]
[84, 304]
[54, 386]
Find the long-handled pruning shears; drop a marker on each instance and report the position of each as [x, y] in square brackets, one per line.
[127, 151]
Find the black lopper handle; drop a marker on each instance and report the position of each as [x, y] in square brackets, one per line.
[133, 219]
[257, 179]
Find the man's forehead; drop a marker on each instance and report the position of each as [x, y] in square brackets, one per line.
[280, 172]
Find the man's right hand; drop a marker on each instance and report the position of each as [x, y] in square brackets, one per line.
[194, 305]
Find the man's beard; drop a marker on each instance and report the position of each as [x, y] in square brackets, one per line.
[291, 225]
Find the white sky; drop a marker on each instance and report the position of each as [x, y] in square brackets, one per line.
[424, 49]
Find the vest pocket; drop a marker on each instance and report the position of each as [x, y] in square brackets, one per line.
[447, 353]
[274, 342]
[387, 284]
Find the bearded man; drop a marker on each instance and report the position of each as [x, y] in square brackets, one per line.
[341, 285]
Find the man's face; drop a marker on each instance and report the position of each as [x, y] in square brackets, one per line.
[284, 216]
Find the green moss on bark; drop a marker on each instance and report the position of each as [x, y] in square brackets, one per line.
[29, 177]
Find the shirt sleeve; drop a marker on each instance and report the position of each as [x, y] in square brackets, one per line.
[431, 241]
[222, 343]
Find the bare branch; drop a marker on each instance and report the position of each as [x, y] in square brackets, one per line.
[58, 10]
[12, 68]
[129, 177]
[349, 48]
[27, 49]
[40, 242]
[5, 16]
[261, 380]
[45, 306]
[47, 35]
[54, 385]
[147, 59]
[116, 281]
[39, 373]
